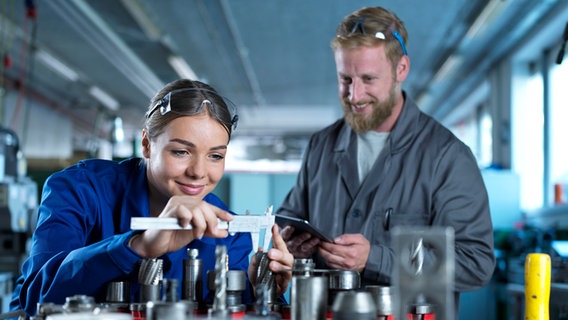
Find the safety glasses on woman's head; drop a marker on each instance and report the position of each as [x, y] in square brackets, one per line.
[164, 105]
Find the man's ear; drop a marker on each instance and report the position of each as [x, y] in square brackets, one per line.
[145, 144]
[402, 69]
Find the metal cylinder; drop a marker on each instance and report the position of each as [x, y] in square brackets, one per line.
[303, 267]
[192, 284]
[420, 311]
[309, 297]
[384, 299]
[342, 280]
[170, 290]
[79, 303]
[180, 310]
[354, 305]
[118, 292]
[236, 284]
[150, 277]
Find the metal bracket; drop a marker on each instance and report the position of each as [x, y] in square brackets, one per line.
[423, 272]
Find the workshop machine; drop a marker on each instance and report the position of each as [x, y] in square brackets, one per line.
[18, 205]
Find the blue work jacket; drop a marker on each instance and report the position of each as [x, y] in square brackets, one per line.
[80, 243]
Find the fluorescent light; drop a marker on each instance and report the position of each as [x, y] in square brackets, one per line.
[104, 98]
[491, 11]
[142, 18]
[56, 65]
[447, 68]
[182, 68]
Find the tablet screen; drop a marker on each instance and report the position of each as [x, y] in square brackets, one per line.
[301, 226]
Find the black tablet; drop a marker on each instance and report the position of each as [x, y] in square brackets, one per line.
[301, 226]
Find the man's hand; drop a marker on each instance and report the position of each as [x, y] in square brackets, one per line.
[302, 245]
[348, 252]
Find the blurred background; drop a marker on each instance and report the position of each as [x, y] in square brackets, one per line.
[77, 77]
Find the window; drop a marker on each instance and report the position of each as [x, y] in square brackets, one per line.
[527, 135]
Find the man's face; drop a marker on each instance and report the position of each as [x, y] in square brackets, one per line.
[368, 86]
[188, 158]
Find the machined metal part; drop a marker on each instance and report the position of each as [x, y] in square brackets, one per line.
[180, 310]
[340, 281]
[170, 286]
[423, 273]
[309, 297]
[118, 292]
[150, 278]
[79, 303]
[354, 305]
[383, 296]
[192, 284]
[265, 277]
[219, 308]
[303, 267]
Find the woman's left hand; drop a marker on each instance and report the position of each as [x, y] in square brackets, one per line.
[281, 262]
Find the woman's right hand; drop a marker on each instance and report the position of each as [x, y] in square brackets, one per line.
[200, 214]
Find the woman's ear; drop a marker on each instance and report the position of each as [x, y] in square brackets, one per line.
[145, 144]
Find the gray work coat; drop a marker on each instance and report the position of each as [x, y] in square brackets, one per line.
[424, 176]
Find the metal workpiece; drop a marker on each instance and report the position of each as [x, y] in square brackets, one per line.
[180, 310]
[265, 277]
[420, 311]
[340, 281]
[118, 292]
[303, 267]
[309, 297]
[79, 303]
[235, 285]
[344, 279]
[170, 290]
[192, 282]
[150, 278]
[219, 308]
[384, 299]
[353, 304]
[46, 308]
[423, 273]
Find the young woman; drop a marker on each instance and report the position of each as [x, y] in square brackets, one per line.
[83, 239]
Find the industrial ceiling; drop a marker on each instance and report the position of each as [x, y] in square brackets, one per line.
[84, 58]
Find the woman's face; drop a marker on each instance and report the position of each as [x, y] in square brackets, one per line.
[188, 158]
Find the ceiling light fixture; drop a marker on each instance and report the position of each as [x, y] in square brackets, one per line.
[489, 14]
[449, 66]
[56, 65]
[181, 67]
[104, 98]
[142, 18]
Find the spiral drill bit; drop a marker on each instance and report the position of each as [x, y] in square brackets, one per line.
[219, 307]
[263, 274]
[150, 277]
[417, 256]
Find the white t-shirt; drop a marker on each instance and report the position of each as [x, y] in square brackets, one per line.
[369, 146]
